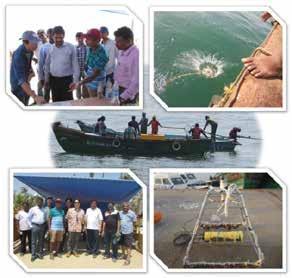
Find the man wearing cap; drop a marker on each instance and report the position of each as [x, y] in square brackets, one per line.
[61, 67]
[81, 50]
[75, 220]
[95, 65]
[112, 52]
[44, 49]
[56, 228]
[21, 70]
[127, 70]
[37, 217]
[93, 223]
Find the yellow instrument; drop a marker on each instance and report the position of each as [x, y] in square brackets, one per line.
[223, 236]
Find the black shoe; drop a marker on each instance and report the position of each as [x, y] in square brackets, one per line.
[41, 257]
[33, 259]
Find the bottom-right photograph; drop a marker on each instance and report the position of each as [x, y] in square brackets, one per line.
[217, 218]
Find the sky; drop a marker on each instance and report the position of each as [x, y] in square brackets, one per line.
[73, 19]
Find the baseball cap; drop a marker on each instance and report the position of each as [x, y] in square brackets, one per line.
[93, 33]
[30, 36]
[103, 29]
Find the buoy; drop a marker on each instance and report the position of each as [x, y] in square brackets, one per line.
[157, 217]
[223, 236]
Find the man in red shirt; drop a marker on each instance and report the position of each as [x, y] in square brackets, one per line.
[197, 131]
[154, 125]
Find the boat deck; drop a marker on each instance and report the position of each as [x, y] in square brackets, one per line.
[178, 206]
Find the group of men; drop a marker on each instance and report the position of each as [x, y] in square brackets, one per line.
[136, 128]
[96, 64]
[197, 131]
[63, 229]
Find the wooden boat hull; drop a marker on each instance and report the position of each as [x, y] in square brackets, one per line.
[75, 141]
[220, 145]
[257, 92]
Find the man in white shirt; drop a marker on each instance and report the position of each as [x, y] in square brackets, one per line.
[112, 52]
[93, 224]
[43, 40]
[24, 228]
[37, 217]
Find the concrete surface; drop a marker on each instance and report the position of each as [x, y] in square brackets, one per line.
[83, 261]
[181, 207]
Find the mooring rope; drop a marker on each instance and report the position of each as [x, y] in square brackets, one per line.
[179, 76]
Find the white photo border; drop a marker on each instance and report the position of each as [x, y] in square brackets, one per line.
[66, 108]
[154, 171]
[222, 8]
[13, 171]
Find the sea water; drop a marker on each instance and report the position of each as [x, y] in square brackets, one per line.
[196, 54]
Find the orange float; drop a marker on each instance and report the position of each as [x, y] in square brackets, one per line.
[157, 217]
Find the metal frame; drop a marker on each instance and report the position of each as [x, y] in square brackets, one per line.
[231, 195]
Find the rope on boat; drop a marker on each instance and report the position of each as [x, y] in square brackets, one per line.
[234, 87]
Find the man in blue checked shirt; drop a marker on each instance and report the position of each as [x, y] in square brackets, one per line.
[81, 50]
[21, 70]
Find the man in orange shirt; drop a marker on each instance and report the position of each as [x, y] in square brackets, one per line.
[197, 131]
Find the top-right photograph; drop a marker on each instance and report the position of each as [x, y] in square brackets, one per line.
[218, 59]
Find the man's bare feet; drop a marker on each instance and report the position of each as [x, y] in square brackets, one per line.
[264, 66]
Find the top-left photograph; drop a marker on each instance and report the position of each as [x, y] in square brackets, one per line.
[74, 57]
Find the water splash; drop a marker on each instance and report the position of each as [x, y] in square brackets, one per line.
[207, 65]
[160, 82]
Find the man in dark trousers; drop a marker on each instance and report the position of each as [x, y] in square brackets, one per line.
[110, 232]
[213, 125]
[61, 67]
[143, 123]
[21, 70]
[133, 123]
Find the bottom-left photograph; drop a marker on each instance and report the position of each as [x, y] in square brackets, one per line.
[77, 219]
